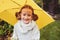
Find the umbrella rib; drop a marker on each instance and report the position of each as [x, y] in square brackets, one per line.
[15, 2]
[25, 2]
[9, 9]
[12, 8]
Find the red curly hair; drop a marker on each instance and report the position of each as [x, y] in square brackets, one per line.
[34, 17]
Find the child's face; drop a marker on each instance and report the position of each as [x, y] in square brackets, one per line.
[26, 15]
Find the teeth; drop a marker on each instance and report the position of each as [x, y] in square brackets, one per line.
[27, 19]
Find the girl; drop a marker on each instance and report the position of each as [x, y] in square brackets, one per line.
[26, 28]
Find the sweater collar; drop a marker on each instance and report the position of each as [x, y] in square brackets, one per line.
[26, 27]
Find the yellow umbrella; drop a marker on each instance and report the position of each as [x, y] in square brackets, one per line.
[8, 8]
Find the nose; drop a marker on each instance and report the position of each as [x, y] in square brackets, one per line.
[26, 17]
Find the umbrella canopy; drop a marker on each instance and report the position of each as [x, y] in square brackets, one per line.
[8, 8]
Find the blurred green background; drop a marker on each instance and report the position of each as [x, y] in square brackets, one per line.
[51, 31]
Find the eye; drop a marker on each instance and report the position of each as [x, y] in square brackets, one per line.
[24, 14]
[29, 15]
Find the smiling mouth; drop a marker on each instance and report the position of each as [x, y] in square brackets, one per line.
[26, 19]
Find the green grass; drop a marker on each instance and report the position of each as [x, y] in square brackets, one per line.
[51, 31]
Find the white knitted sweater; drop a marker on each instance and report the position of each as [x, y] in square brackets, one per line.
[25, 31]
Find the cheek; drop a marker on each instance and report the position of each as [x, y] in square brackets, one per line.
[22, 16]
[30, 18]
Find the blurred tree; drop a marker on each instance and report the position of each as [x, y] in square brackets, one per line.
[39, 2]
[5, 30]
[59, 2]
